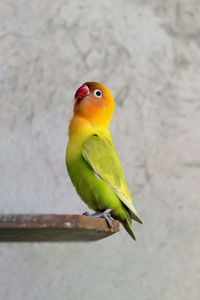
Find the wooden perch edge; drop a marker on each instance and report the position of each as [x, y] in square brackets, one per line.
[53, 228]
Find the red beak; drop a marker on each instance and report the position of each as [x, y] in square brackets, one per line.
[81, 93]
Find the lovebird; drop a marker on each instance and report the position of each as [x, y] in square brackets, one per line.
[92, 163]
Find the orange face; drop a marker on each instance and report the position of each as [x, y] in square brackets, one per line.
[93, 101]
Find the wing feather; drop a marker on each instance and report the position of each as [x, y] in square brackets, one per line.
[99, 152]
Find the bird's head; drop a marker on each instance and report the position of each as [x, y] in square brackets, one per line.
[94, 102]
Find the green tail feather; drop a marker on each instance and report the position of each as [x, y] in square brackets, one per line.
[127, 225]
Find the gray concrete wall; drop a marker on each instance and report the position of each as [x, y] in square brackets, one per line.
[148, 55]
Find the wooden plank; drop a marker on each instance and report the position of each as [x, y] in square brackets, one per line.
[53, 228]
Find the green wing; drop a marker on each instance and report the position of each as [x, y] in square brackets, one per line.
[101, 156]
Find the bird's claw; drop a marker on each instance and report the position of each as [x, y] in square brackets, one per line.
[108, 220]
[105, 215]
[86, 213]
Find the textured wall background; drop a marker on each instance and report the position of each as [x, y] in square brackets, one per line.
[148, 54]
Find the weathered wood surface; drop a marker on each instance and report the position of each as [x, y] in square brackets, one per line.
[53, 228]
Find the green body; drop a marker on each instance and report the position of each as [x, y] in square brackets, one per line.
[97, 175]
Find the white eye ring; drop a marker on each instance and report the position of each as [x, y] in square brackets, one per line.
[97, 93]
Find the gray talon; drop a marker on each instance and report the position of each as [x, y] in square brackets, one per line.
[86, 213]
[105, 215]
[108, 220]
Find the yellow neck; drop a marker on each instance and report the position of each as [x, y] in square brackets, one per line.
[80, 128]
[77, 125]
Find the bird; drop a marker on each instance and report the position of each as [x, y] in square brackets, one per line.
[92, 163]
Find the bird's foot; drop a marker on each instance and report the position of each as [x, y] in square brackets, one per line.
[105, 215]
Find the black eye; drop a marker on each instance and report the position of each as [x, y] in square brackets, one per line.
[97, 93]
